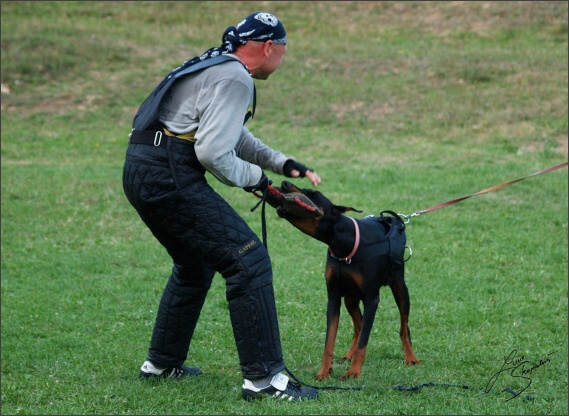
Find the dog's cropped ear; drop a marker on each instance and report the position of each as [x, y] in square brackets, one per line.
[340, 209]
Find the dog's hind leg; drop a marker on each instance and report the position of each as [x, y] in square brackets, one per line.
[401, 295]
[353, 307]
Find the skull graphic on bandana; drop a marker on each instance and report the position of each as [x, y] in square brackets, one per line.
[267, 19]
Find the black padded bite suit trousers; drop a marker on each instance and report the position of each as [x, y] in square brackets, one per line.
[203, 234]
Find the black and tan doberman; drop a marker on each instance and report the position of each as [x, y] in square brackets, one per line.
[360, 260]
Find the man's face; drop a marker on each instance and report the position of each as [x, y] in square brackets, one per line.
[272, 60]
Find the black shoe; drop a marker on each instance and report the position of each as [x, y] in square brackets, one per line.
[149, 370]
[280, 388]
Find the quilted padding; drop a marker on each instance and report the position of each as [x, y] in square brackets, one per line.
[203, 234]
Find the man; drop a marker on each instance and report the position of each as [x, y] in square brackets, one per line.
[193, 122]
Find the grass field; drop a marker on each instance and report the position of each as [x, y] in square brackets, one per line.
[397, 105]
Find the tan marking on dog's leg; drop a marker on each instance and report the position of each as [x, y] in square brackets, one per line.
[328, 355]
[410, 358]
[355, 369]
[353, 307]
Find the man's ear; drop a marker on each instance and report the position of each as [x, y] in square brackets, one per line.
[267, 47]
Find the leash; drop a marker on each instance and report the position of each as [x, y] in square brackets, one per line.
[411, 388]
[321, 387]
[407, 217]
[431, 384]
[263, 201]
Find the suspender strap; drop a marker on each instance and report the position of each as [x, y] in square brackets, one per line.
[147, 114]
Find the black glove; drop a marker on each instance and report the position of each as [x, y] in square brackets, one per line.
[261, 185]
[291, 165]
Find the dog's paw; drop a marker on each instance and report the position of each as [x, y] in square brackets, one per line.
[412, 361]
[350, 374]
[323, 375]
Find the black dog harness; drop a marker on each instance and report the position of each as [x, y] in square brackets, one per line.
[386, 238]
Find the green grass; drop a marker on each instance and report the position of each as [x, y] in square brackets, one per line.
[397, 105]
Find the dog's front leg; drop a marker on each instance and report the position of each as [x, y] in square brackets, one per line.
[353, 307]
[401, 295]
[355, 369]
[332, 321]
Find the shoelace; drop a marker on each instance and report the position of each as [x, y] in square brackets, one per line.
[293, 388]
[292, 392]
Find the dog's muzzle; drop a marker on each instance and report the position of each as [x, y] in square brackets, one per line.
[289, 201]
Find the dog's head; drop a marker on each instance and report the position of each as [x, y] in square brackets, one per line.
[308, 210]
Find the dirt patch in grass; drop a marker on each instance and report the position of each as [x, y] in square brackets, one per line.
[140, 65]
[558, 145]
[440, 17]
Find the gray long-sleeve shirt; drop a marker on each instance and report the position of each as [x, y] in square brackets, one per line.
[213, 102]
